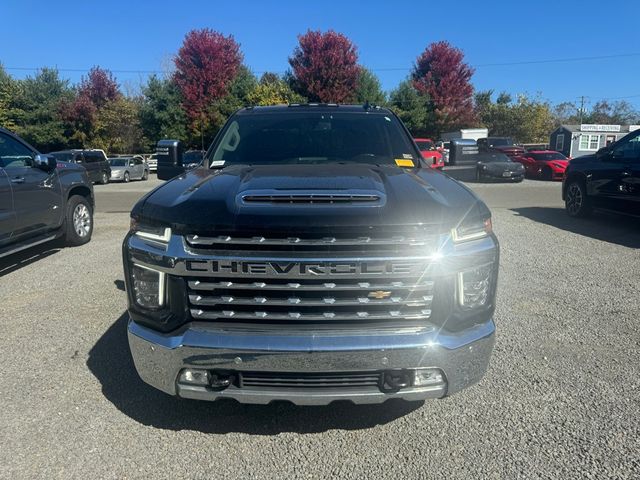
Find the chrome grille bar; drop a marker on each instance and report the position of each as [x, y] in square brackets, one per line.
[199, 240]
[199, 300]
[265, 316]
[201, 285]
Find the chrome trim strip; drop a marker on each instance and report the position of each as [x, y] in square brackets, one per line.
[297, 241]
[292, 301]
[199, 285]
[199, 314]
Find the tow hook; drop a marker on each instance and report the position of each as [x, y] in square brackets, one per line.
[394, 380]
[220, 381]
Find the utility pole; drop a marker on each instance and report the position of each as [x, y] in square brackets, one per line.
[581, 108]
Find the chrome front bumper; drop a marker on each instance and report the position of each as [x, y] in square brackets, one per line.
[159, 358]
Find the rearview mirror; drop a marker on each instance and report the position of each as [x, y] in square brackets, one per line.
[45, 162]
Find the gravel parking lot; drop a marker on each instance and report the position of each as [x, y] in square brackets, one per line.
[561, 398]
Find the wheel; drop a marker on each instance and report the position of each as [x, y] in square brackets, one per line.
[478, 175]
[145, 175]
[126, 177]
[104, 179]
[547, 174]
[78, 222]
[577, 203]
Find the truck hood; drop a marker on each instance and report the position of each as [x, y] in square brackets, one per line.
[294, 197]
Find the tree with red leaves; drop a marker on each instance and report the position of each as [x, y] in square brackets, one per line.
[441, 75]
[325, 67]
[99, 87]
[206, 65]
[96, 90]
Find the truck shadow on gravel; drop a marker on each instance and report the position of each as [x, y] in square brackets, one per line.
[606, 227]
[111, 363]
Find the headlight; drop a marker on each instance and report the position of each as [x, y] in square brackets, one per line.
[155, 234]
[148, 287]
[472, 229]
[474, 287]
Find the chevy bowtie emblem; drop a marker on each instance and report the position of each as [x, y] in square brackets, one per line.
[379, 294]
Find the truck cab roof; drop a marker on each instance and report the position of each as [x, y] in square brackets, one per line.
[316, 107]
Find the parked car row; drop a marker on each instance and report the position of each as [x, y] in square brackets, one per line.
[102, 169]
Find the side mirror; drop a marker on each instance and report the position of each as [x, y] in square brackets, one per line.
[605, 154]
[47, 163]
[169, 159]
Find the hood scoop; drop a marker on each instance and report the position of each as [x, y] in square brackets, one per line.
[316, 197]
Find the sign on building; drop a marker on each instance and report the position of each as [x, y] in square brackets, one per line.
[592, 127]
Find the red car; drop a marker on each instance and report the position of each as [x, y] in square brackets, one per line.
[543, 164]
[430, 153]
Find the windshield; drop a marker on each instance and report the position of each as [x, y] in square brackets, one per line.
[548, 156]
[500, 142]
[118, 162]
[193, 156]
[424, 145]
[493, 157]
[63, 156]
[312, 138]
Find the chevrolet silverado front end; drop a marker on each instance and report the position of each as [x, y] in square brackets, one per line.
[310, 276]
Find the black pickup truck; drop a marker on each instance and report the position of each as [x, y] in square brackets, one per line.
[41, 199]
[312, 257]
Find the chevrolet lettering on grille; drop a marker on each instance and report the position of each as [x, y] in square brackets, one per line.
[296, 269]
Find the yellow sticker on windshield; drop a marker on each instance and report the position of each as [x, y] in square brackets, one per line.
[403, 162]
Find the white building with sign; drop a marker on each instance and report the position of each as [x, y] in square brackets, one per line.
[577, 140]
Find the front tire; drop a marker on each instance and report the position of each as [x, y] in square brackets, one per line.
[577, 203]
[478, 175]
[126, 177]
[104, 179]
[78, 224]
[145, 175]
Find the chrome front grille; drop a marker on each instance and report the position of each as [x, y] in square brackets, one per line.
[308, 300]
[388, 242]
[314, 381]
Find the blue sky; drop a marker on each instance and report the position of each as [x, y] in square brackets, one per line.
[130, 35]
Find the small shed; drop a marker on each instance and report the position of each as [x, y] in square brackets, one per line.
[578, 140]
